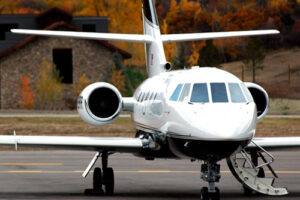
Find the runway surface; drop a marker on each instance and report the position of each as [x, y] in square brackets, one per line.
[57, 175]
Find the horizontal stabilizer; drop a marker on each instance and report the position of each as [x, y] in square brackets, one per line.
[87, 35]
[214, 35]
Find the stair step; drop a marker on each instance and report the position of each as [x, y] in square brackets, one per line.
[267, 181]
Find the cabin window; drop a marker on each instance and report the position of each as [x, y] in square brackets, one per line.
[62, 58]
[185, 93]
[139, 97]
[142, 97]
[218, 93]
[200, 93]
[176, 93]
[236, 93]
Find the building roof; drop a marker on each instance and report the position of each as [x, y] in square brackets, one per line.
[55, 26]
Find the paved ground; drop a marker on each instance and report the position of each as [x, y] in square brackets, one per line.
[57, 175]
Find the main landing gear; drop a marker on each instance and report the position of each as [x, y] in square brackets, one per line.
[104, 177]
[210, 172]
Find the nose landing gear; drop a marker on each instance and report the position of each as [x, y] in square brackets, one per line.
[210, 172]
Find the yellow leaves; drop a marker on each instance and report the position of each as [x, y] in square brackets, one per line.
[118, 80]
[79, 85]
[27, 96]
[49, 86]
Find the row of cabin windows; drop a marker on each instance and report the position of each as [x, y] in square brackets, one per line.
[144, 96]
[200, 93]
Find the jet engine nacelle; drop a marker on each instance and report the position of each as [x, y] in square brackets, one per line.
[261, 99]
[99, 104]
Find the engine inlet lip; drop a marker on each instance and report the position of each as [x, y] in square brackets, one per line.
[113, 116]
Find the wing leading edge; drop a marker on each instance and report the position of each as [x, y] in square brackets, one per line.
[126, 145]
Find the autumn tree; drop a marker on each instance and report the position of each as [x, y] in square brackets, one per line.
[209, 55]
[49, 86]
[80, 84]
[118, 79]
[254, 55]
[27, 96]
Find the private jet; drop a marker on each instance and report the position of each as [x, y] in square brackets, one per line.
[201, 113]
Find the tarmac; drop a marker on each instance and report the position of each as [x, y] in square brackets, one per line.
[57, 175]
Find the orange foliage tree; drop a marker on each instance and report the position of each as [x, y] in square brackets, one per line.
[79, 85]
[118, 80]
[26, 94]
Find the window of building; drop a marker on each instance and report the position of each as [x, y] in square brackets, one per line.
[63, 60]
[185, 93]
[89, 27]
[176, 93]
[236, 93]
[218, 93]
[4, 28]
[200, 93]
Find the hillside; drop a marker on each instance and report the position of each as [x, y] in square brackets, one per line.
[274, 75]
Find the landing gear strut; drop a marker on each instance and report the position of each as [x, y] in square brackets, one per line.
[104, 177]
[210, 172]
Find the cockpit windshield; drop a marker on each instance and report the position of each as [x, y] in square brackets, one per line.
[236, 93]
[217, 92]
[199, 93]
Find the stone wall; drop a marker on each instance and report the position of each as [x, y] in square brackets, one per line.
[89, 57]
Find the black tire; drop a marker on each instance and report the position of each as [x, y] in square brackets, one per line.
[247, 191]
[215, 195]
[109, 181]
[97, 179]
[204, 194]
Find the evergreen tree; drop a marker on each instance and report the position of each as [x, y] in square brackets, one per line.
[209, 55]
[254, 55]
[180, 61]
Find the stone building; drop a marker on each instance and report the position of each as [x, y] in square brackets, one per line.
[72, 57]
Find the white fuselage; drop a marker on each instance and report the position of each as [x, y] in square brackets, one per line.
[192, 118]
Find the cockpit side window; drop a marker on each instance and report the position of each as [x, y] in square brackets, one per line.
[176, 93]
[185, 93]
[236, 93]
[199, 93]
[247, 93]
[218, 93]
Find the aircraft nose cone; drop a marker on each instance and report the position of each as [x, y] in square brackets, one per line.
[233, 122]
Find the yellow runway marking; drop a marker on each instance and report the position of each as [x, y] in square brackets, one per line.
[126, 172]
[31, 164]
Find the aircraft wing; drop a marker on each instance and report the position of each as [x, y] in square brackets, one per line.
[276, 143]
[75, 143]
[214, 35]
[88, 35]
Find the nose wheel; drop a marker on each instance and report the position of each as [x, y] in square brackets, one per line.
[210, 172]
[205, 195]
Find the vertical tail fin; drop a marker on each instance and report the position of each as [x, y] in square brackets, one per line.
[155, 55]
